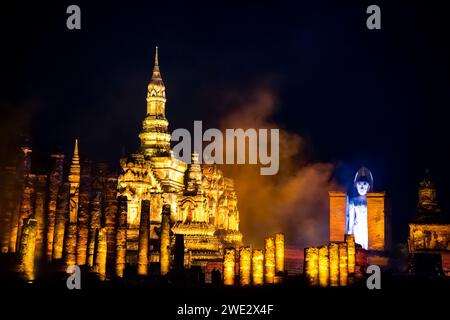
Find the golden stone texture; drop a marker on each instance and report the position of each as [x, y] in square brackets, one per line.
[334, 264]
[95, 225]
[377, 221]
[25, 185]
[351, 247]
[27, 249]
[70, 244]
[258, 267]
[338, 205]
[26, 204]
[333, 251]
[165, 241]
[9, 202]
[83, 213]
[55, 182]
[121, 237]
[343, 264]
[428, 237]
[110, 217]
[279, 252]
[245, 260]
[100, 258]
[143, 238]
[39, 215]
[229, 261]
[269, 260]
[62, 210]
[324, 267]
[311, 266]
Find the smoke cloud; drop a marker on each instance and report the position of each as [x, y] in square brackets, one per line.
[295, 201]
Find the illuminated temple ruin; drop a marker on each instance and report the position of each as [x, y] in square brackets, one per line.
[162, 216]
[366, 215]
[429, 234]
[108, 222]
[359, 236]
[202, 202]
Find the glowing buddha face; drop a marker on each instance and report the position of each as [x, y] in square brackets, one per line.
[362, 187]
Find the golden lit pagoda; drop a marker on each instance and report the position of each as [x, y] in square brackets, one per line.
[159, 214]
[203, 203]
[155, 137]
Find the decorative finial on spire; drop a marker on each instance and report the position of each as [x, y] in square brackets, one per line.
[76, 158]
[156, 73]
[75, 152]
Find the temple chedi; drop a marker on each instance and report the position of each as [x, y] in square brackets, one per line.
[201, 203]
[155, 215]
[429, 233]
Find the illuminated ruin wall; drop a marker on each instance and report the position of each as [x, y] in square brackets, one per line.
[95, 225]
[27, 249]
[121, 237]
[24, 184]
[62, 209]
[245, 266]
[55, 182]
[165, 241]
[26, 207]
[83, 214]
[143, 238]
[100, 258]
[338, 207]
[335, 264]
[378, 221]
[10, 193]
[39, 215]
[351, 247]
[257, 267]
[324, 266]
[333, 252]
[279, 252]
[79, 214]
[269, 260]
[229, 266]
[343, 264]
[429, 237]
[311, 266]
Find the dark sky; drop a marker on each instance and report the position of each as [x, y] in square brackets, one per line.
[377, 98]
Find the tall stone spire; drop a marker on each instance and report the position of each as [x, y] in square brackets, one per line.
[74, 181]
[156, 73]
[155, 137]
[156, 86]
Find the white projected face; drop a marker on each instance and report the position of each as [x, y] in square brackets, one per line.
[362, 187]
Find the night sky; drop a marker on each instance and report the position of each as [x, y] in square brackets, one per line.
[358, 97]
